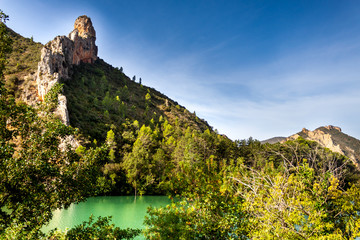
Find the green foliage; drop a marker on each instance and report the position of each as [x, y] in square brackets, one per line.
[51, 98]
[100, 229]
[139, 163]
[110, 142]
[99, 96]
[289, 197]
[212, 210]
[147, 97]
[299, 205]
[36, 175]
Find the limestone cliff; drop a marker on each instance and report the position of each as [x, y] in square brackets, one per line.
[333, 138]
[55, 63]
[59, 55]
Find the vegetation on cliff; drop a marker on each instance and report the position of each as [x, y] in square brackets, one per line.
[21, 65]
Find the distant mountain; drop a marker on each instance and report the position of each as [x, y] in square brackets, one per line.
[333, 138]
[273, 140]
[330, 137]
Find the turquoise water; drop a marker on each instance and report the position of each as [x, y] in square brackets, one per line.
[126, 211]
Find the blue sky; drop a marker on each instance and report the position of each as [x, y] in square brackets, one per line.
[250, 68]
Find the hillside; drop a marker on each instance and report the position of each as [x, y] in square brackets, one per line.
[100, 96]
[21, 67]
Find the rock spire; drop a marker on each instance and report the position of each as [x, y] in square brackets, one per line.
[84, 37]
[59, 55]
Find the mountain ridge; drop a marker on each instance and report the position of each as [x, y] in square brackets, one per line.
[330, 137]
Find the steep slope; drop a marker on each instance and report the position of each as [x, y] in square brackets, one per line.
[333, 138]
[20, 71]
[101, 96]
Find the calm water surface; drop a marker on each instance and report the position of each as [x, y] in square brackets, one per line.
[126, 211]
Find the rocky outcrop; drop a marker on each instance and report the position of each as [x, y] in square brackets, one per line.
[324, 139]
[62, 110]
[331, 127]
[332, 138]
[59, 55]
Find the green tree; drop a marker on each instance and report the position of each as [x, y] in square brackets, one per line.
[100, 229]
[210, 210]
[108, 102]
[297, 198]
[139, 164]
[111, 144]
[299, 204]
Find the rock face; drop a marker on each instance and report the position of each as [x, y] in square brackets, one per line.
[59, 55]
[55, 64]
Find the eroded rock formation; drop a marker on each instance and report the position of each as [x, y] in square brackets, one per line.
[59, 55]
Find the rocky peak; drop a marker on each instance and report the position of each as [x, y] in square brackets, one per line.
[84, 37]
[304, 130]
[59, 55]
[84, 27]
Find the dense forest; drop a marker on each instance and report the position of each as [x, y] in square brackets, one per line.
[134, 140]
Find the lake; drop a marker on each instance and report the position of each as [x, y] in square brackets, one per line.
[126, 211]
